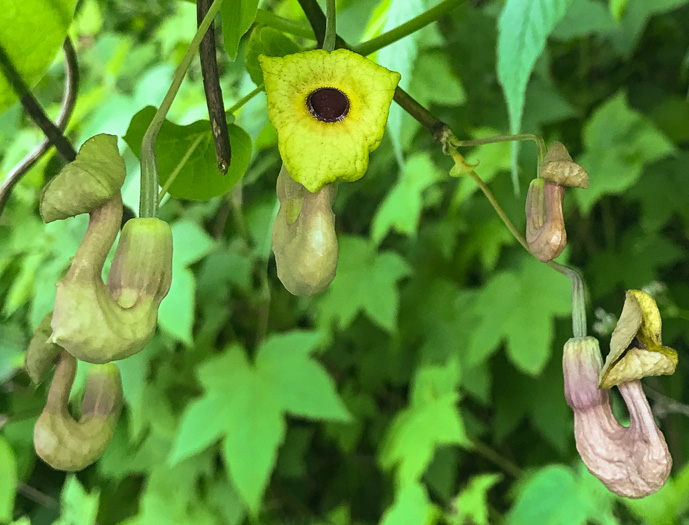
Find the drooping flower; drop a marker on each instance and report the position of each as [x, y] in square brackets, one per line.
[329, 110]
[304, 239]
[631, 461]
[545, 223]
[636, 348]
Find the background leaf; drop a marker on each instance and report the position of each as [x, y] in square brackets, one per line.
[188, 154]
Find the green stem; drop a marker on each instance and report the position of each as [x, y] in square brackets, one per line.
[148, 199]
[286, 25]
[421, 114]
[578, 296]
[330, 25]
[406, 29]
[245, 99]
[540, 143]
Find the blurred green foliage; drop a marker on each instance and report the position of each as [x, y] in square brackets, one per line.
[424, 386]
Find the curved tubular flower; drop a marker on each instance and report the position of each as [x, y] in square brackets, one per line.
[545, 222]
[99, 323]
[63, 442]
[329, 110]
[304, 239]
[631, 461]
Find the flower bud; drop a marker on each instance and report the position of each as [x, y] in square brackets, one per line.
[70, 445]
[631, 461]
[88, 182]
[304, 239]
[89, 322]
[545, 222]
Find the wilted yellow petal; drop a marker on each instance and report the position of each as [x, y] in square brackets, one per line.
[636, 348]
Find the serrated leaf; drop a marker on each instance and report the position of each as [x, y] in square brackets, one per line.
[31, 35]
[188, 154]
[432, 419]
[77, 506]
[533, 296]
[237, 17]
[8, 480]
[402, 207]
[411, 507]
[471, 503]
[245, 404]
[619, 142]
[366, 281]
[523, 29]
[303, 386]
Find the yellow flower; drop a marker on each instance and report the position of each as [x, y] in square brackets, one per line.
[329, 110]
[636, 349]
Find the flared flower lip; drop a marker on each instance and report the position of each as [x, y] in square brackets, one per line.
[636, 349]
[316, 151]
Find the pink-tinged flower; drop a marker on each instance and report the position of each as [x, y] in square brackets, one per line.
[631, 461]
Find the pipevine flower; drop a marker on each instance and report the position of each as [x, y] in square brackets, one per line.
[329, 110]
[93, 321]
[631, 461]
[545, 223]
[65, 443]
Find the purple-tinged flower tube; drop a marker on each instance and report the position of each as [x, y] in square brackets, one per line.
[631, 461]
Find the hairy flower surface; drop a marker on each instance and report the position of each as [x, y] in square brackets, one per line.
[636, 348]
[631, 461]
[329, 110]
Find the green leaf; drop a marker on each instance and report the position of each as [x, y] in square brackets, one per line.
[245, 404]
[237, 17]
[12, 346]
[472, 502]
[619, 142]
[555, 495]
[400, 57]
[411, 507]
[583, 18]
[77, 506]
[402, 207]
[176, 312]
[533, 296]
[269, 42]
[192, 243]
[31, 35]
[8, 480]
[523, 29]
[432, 419]
[435, 82]
[366, 281]
[636, 16]
[303, 386]
[187, 153]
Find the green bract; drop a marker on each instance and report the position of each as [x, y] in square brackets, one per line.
[317, 151]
